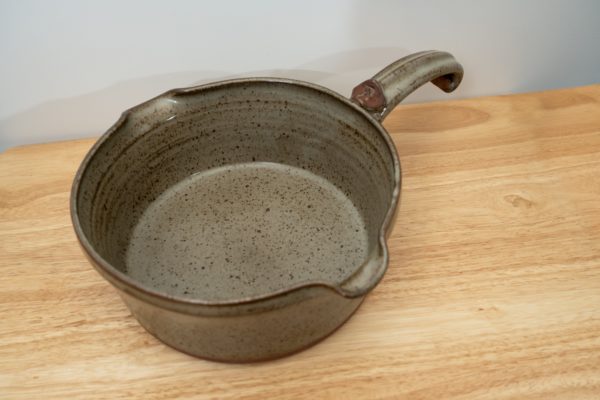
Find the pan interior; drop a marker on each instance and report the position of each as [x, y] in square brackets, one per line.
[237, 190]
[245, 230]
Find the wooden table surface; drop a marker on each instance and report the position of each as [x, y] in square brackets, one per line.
[493, 289]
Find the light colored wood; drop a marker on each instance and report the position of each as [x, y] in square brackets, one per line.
[493, 290]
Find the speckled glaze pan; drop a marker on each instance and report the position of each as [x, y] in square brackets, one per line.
[246, 219]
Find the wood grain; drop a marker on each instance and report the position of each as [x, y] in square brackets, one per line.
[493, 290]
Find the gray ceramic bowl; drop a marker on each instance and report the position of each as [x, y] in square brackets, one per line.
[245, 220]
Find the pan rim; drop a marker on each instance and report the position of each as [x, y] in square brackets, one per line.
[124, 281]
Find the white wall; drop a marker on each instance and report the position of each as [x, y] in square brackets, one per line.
[69, 67]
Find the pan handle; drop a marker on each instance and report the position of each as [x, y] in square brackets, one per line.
[380, 94]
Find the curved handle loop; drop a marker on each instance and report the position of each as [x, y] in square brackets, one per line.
[380, 94]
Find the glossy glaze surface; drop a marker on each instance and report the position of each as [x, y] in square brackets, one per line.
[266, 197]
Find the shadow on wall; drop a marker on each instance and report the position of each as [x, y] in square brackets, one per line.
[92, 113]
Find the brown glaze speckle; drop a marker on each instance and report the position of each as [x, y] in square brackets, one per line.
[218, 220]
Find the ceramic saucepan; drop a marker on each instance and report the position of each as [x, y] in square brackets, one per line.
[246, 219]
